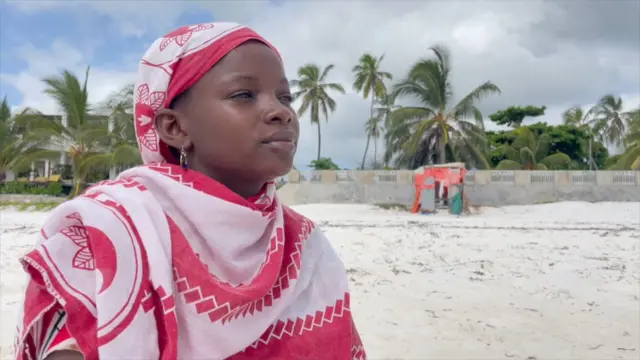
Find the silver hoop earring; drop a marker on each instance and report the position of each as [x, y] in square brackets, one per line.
[183, 158]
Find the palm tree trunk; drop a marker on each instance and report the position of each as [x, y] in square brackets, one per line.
[375, 153]
[76, 187]
[319, 140]
[592, 163]
[78, 178]
[442, 148]
[366, 148]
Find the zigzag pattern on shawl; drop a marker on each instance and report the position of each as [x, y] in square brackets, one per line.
[211, 299]
[328, 320]
[299, 326]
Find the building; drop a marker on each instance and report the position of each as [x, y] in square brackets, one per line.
[45, 168]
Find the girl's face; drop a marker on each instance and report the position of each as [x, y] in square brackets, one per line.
[236, 122]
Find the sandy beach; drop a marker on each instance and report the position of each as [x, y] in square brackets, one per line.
[553, 281]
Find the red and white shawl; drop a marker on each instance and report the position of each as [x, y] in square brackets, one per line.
[165, 263]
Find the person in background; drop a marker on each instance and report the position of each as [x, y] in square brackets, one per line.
[457, 200]
[445, 192]
[192, 255]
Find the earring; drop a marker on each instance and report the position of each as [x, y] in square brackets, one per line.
[183, 158]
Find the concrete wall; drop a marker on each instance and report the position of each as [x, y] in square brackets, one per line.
[493, 188]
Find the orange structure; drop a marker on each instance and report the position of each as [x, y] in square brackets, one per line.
[446, 175]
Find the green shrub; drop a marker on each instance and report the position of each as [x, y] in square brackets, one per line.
[54, 189]
[14, 187]
[21, 187]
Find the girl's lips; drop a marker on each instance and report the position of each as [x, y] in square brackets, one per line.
[277, 145]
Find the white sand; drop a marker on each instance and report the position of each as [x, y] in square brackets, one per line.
[557, 281]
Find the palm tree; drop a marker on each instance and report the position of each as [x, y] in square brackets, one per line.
[313, 89]
[530, 152]
[10, 145]
[630, 159]
[124, 150]
[386, 105]
[373, 130]
[5, 111]
[370, 80]
[435, 128]
[578, 117]
[7, 138]
[85, 137]
[610, 120]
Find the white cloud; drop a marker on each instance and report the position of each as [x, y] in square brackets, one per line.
[43, 63]
[499, 41]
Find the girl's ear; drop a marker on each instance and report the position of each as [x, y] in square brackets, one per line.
[171, 127]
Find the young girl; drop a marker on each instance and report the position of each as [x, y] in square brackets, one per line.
[192, 256]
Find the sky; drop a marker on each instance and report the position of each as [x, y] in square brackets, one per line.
[553, 53]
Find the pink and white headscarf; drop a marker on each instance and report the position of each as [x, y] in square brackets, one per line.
[172, 65]
[165, 263]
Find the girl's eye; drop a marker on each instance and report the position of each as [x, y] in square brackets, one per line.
[245, 95]
[287, 99]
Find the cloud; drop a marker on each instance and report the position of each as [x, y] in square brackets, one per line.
[42, 63]
[557, 54]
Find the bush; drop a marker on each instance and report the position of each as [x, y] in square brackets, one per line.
[21, 187]
[54, 189]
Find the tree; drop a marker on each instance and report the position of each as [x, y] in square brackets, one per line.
[373, 130]
[610, 119]
[630, 159]
[324, 164]
[313, 89]
[5, 111]
[370, 80]
[436, 130]
[576, 116]
[386, 105]
[514, 115]
[85, 137]
[10, 144]
[530, 152]
[566, 139]
[124, 150]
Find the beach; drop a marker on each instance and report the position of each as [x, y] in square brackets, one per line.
[550, 281]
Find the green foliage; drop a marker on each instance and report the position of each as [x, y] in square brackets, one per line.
[313, 89]
[54, 189]
[26, 188]
[436, 129]
[86, 138]
[514, 115]
[611, 162]
[566, 139]
[530, 151]
[369, 79]
[11, 146]
[98, 175]
[324, 164]
[5, 110]
[630, 159]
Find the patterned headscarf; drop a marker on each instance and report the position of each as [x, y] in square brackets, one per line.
[173, 64]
